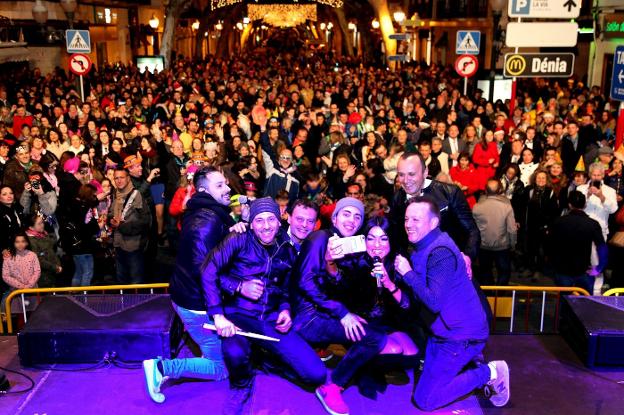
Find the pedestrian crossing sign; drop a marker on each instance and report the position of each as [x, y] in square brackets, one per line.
[468, 42]
[78, 41]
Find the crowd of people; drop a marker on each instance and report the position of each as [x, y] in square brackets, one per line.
[234, 164]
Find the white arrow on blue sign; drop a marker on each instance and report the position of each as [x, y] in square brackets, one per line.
[78, 41]
[617, 81]
[468, 42]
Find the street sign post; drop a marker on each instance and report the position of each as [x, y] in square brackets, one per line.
[78, 41]
[466, 66]
[551, 9]
[617, 91]
[398, 58]
[617, 79]
[80, 64]
[401, 36]
[468, 42]
[538, 65]
[541, 35]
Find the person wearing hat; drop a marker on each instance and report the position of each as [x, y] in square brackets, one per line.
[253, 270]
[322, 320]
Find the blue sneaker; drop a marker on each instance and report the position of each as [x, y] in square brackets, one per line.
[154, 380]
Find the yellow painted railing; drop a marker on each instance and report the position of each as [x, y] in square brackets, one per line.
[502, 307]
[614, 291]
[59, 290]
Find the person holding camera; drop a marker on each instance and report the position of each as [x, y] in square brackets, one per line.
[601, 199]
[39, 195]
[326, 257]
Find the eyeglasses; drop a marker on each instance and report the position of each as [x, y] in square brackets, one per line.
[288, 158]
[353, 193]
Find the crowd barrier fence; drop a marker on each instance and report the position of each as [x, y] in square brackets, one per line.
[508, 304]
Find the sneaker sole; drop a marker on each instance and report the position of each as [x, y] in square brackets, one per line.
[327, 358]
[148, 370]
[506, 382]
[318, 395]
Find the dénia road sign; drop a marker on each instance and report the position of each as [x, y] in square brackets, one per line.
[538, 65]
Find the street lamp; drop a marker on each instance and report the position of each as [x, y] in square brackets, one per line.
[323, 26]
[69, 7]
[195, 25]
[154, 22]
[40, 12]
[375, 24]
[497, 12]
[399, 16]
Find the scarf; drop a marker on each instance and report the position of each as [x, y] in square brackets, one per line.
[34, 234]
[120, 199]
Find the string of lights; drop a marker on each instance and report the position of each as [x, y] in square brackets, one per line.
[217, 4]
[282, 15]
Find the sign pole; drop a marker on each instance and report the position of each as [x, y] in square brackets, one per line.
[465, 86]
[81, 89]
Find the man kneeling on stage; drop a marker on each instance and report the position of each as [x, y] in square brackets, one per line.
[437, 276]
[253, 270]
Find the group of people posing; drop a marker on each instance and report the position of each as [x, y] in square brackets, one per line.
[348, 284]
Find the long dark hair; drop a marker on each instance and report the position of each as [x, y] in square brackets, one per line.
[16, 235]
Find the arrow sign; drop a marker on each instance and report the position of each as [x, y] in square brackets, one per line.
[570, 5]
[400, 36]
[617, 80]
[552, 9]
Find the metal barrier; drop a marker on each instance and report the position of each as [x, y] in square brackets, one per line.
[53, 291]
[503, 307]
[614, 291]
[506, 307]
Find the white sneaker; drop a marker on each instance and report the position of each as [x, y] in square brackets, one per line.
[499, 387]
[154, 380]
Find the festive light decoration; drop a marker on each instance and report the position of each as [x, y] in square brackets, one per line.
[282, 15]
[217, 4]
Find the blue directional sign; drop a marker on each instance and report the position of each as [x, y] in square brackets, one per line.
[617, 81]
[398, 58]
[468, 42]
[78, 41]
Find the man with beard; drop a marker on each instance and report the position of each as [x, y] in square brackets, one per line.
[253, 270]
[205, 223]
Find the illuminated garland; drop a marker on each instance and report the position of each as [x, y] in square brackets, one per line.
[282, 15]
[217, 4]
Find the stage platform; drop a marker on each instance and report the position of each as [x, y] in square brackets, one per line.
[546, 378]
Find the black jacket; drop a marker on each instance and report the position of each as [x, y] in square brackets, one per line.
[204, 224]
[313, 289]
[241, 257]
[456, 216]
[11, 221]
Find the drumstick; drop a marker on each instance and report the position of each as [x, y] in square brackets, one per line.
[244, 333]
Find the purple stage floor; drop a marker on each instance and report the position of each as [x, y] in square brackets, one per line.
[546, 378]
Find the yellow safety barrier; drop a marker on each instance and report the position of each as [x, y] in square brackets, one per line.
[121, 288]
[501, 306]
[504, 306]
[614, 291]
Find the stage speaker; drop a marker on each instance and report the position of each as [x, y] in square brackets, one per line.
[84, 328]
[594, 329]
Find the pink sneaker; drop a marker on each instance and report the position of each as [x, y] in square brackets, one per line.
[331, 398]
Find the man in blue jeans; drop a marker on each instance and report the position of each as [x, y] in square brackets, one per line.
[438, 278]
[205, 223]
[253, 270]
